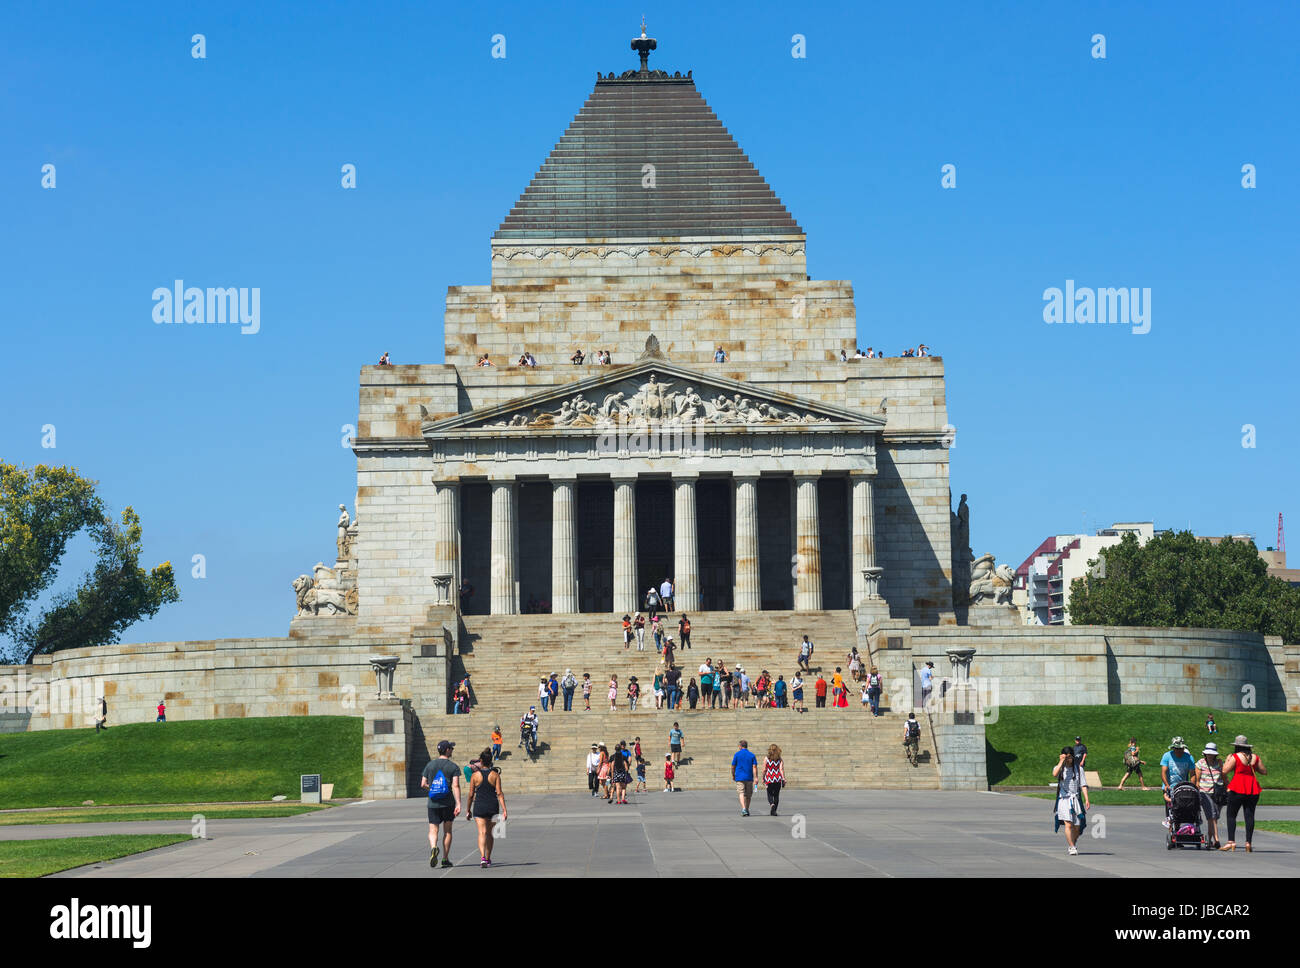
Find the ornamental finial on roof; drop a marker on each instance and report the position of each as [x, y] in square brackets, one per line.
[643, 45]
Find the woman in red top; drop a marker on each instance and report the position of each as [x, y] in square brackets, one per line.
[774, 776]
[1243, 767]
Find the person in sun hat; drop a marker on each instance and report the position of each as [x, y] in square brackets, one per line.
[1209, 780]
[593, 769]
[1242, 768]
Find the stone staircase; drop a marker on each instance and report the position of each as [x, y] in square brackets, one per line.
[505, 656]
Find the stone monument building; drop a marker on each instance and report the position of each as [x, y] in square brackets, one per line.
[782, 478]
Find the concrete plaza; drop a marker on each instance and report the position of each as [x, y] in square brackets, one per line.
[860, 833]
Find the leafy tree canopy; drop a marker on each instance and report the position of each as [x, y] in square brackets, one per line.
[41, 509]
[1178, 580]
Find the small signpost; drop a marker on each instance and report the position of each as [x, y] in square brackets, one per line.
[310, 788]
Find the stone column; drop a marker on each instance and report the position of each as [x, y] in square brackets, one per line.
[747, 595]
[808, 576]
[564, 547]
[625, 583]
[686, 552]
[446, 533]
[864, 536]
[504, 549]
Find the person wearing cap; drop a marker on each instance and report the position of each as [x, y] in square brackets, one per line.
[593, 769]
[529, 727]
[441, 778]
[1209, 780]
[497, 740]
[927, 684]
[1243, 769]
[1176, 766]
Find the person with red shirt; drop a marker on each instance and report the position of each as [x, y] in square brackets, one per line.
[1243, 766]
[162, 711]
[820, 689]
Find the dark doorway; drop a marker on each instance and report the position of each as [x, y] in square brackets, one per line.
[534, 546]
[833, 523]
[714, 524]
[775, 539]
[476, 546]
[595, 524]
[654, 535]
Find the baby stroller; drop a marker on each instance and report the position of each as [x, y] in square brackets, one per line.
[1184, 813]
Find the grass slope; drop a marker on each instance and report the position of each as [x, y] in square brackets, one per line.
[215, 760]
[1280, 826]
[1153, 798]
[36, 858]
[183, 812]
[1025, 742]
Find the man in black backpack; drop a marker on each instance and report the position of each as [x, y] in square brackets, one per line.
[912, 738]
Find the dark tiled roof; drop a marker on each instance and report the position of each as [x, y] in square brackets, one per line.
[591, 185]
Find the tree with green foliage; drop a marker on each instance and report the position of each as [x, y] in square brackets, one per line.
[1179, 580]
[41, 509]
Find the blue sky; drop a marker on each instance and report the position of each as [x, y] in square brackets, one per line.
[225, 171]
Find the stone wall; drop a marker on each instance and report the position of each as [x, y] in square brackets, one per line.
[1096, 665]
[213, 679]
[760, 306]
[330, 675]
[395, 541]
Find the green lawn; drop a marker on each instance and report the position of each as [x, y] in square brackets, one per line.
[213, 760]
[36, 858]
[1280, 826]
[1025, 743]
[1110, 798]
[182, 811]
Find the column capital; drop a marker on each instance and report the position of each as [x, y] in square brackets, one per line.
[624, 478]
[686, 477]
[571, 479]
[446, 481]
[807, 475]
[499, 479]
[746, 475]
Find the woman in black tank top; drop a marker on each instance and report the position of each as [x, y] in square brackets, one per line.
[487, 799]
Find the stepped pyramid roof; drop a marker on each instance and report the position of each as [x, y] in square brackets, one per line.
[594, 183]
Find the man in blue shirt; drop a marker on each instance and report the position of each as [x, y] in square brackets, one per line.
[743, 766]
[1176, 766]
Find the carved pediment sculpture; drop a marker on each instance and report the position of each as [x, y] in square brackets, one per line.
[656, 401]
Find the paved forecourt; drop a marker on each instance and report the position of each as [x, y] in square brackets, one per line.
[849, 833]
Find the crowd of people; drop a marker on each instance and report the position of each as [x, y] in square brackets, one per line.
[598, 357]
[872, 353]
[609, 774]
[714, 686]
[1228, 785]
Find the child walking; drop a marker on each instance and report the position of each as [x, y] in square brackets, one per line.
[586, 690]
[640, 776]
[669, 773]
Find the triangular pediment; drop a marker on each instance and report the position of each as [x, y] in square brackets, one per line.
[650, 392]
